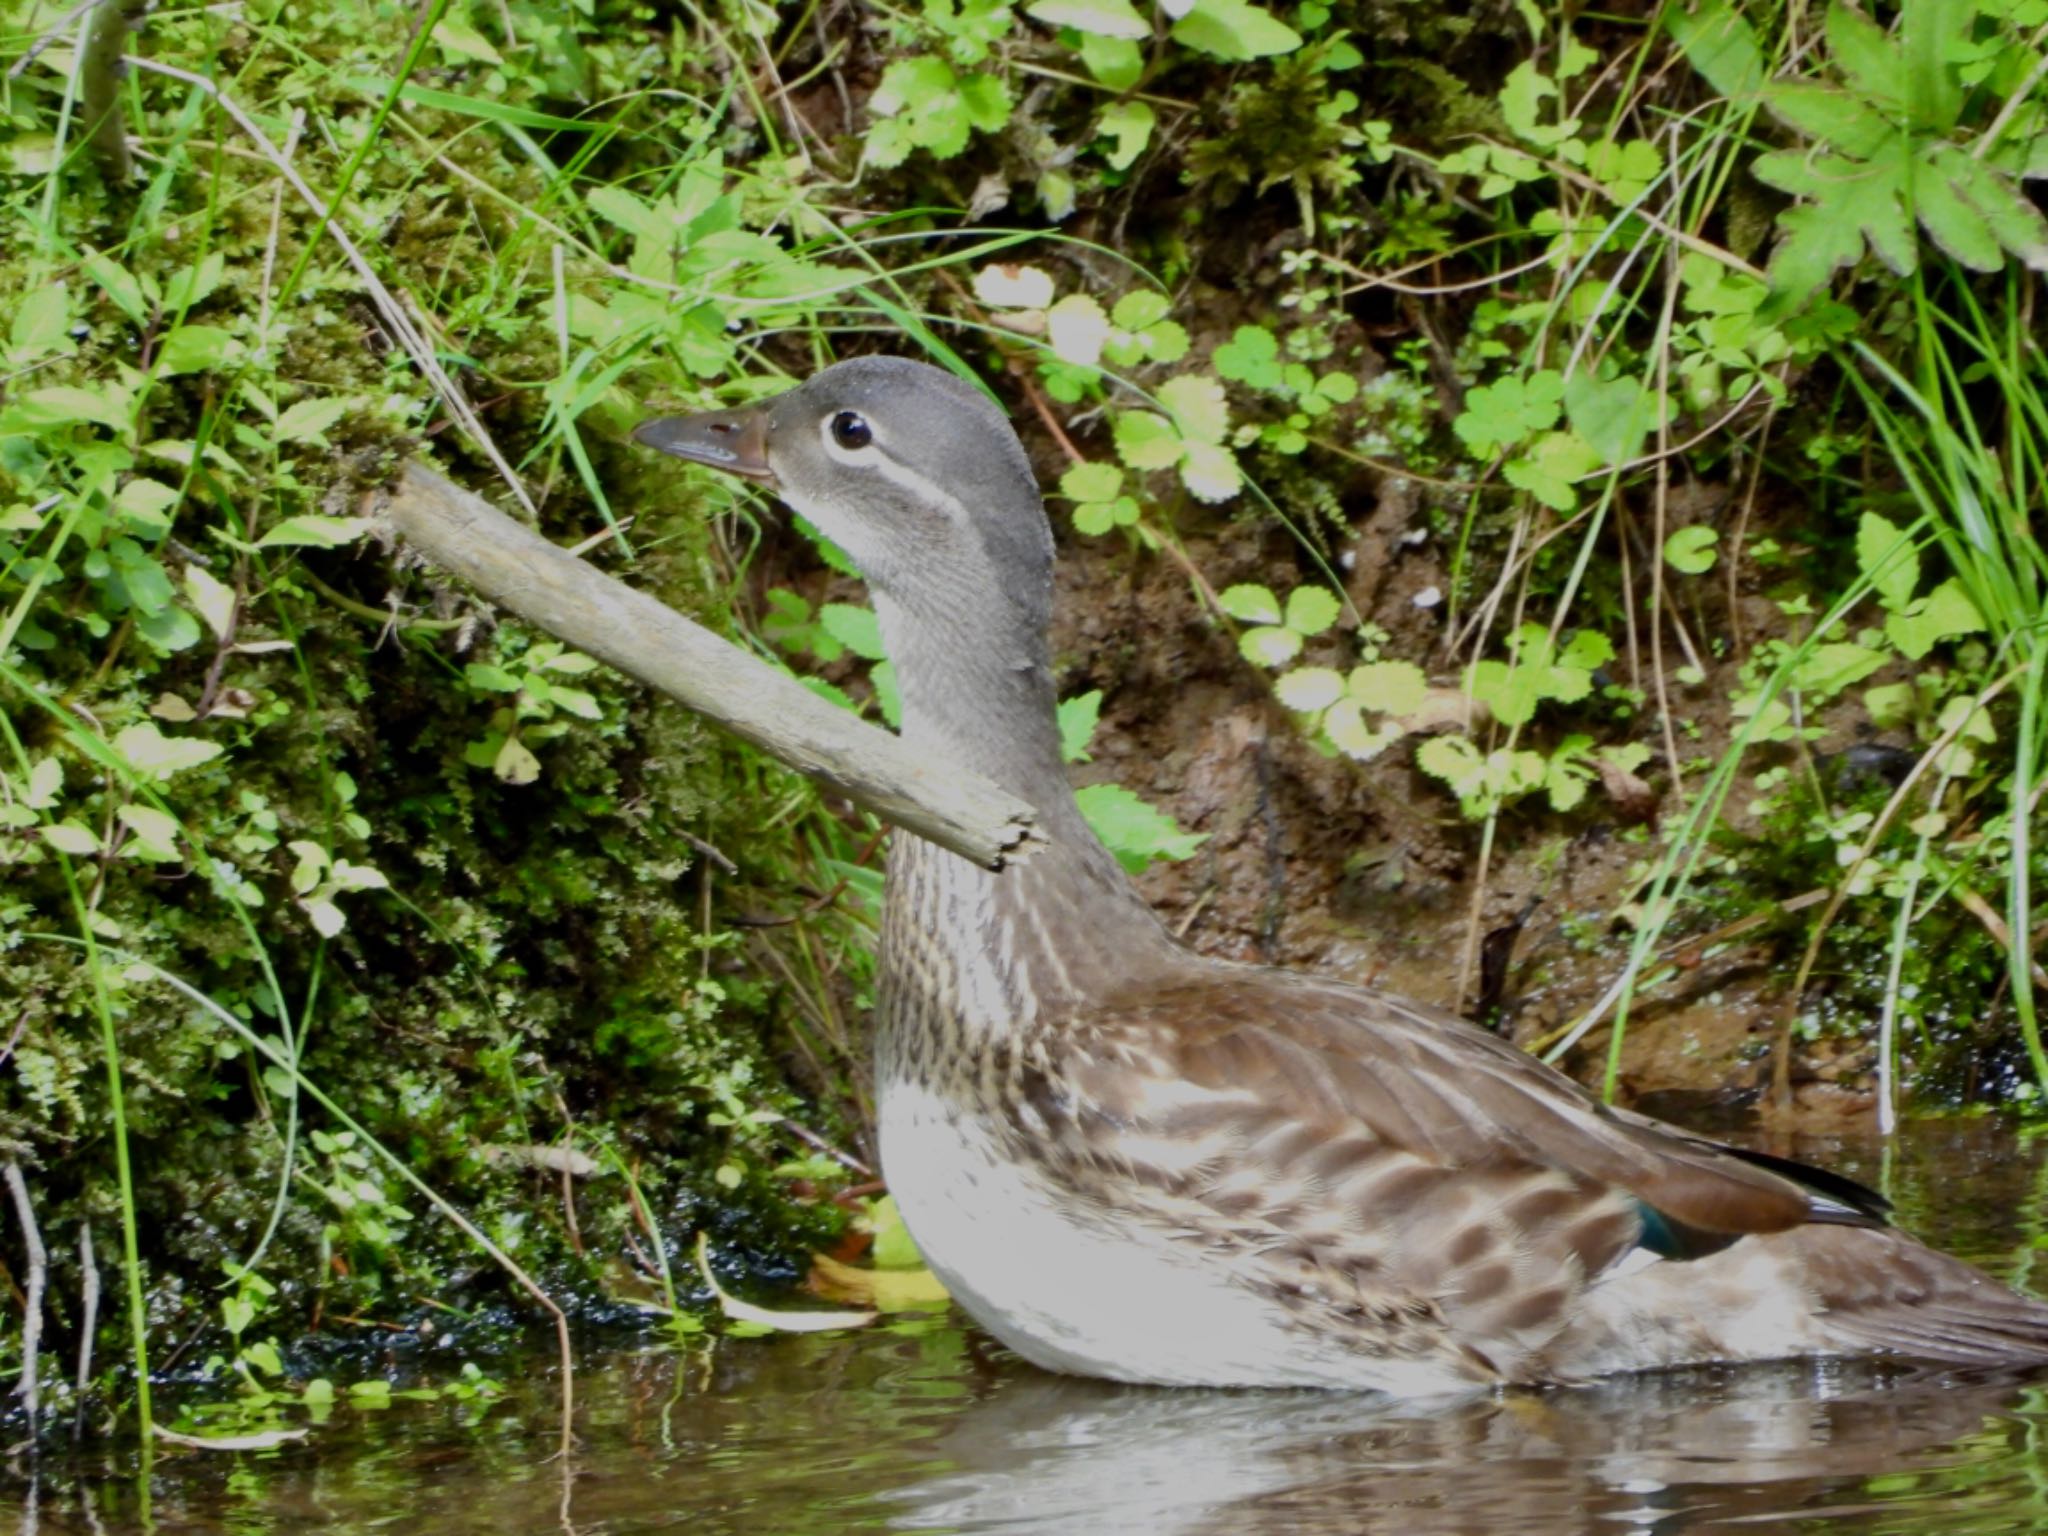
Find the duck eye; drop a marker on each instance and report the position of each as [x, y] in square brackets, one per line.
[851, 430]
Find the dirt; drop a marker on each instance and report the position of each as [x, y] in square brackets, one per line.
[1366, 871]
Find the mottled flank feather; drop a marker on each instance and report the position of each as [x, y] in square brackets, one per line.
[1377, 1194]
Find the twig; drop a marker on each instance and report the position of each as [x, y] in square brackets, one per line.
[89, 1308]
[32, 1311]
[513, 565]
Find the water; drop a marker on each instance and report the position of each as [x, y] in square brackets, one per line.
[927, 1427]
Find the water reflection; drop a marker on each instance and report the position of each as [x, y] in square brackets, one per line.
[927, 1428]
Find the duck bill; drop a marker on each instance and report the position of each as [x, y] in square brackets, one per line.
[734, 441]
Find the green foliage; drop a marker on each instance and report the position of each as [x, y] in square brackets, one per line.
[1890, 142]
[1137, 832]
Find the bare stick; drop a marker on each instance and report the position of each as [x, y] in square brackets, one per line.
[38, 1274]
[89, 1307]
[549, 587]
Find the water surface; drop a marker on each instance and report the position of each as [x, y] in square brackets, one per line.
[925, 1426]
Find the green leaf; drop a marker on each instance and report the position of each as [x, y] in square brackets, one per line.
[315, 530]
[1311, 610]
[1210, 472]
[1720, 44]
[69, 837]
[1691, 550]
[1839, 120]
[1250, 604]
[1504, 413]
[855, 628]
[1308, 690]
[1612, 415]
[1943, 614]
[1870, 60]
[1269, 646]
[1137, 833]
[63, 405]
[156, 835]
[42, 323]
[1954, 224]
[1129, 124]
[1198, 407]
[1092, 482]
[1146, 441]
[1251, 356]
[1234, 30]
[214, 599]
[307, 421]
[1389, 687]
[486, 678]
[195, 349]
[1831, 668]
[1117, 62]
[1076, 327]
[1104, 18]
[156, 756]
[1078, 717]
[1888, 558]
[1554, 464]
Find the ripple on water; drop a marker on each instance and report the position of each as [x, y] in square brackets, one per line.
[925, 1427]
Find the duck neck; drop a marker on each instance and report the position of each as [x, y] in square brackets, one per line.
[972, 955]
[977, 688]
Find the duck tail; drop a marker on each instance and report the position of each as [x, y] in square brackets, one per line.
[1878, 1291]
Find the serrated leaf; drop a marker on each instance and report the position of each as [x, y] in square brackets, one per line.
[69, 837]
[855, 628]
[1840, 120]
[1309, 689]
[1955, 225]
[1198, 406]
[154, 755]
[1210, 472]
[1250, 604]
[1092, 482]
[1146, 441]
[1388, 687]
[1077, 328]
[1269, 646]
[1873, 64]
[1078, 718]
[1251, 356]
[1553, 465]
[1509, 410]
[1234, 30]
[155, 833]
[1311, 610]
[1137, 833]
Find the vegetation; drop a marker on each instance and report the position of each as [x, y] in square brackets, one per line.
[333, 906]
